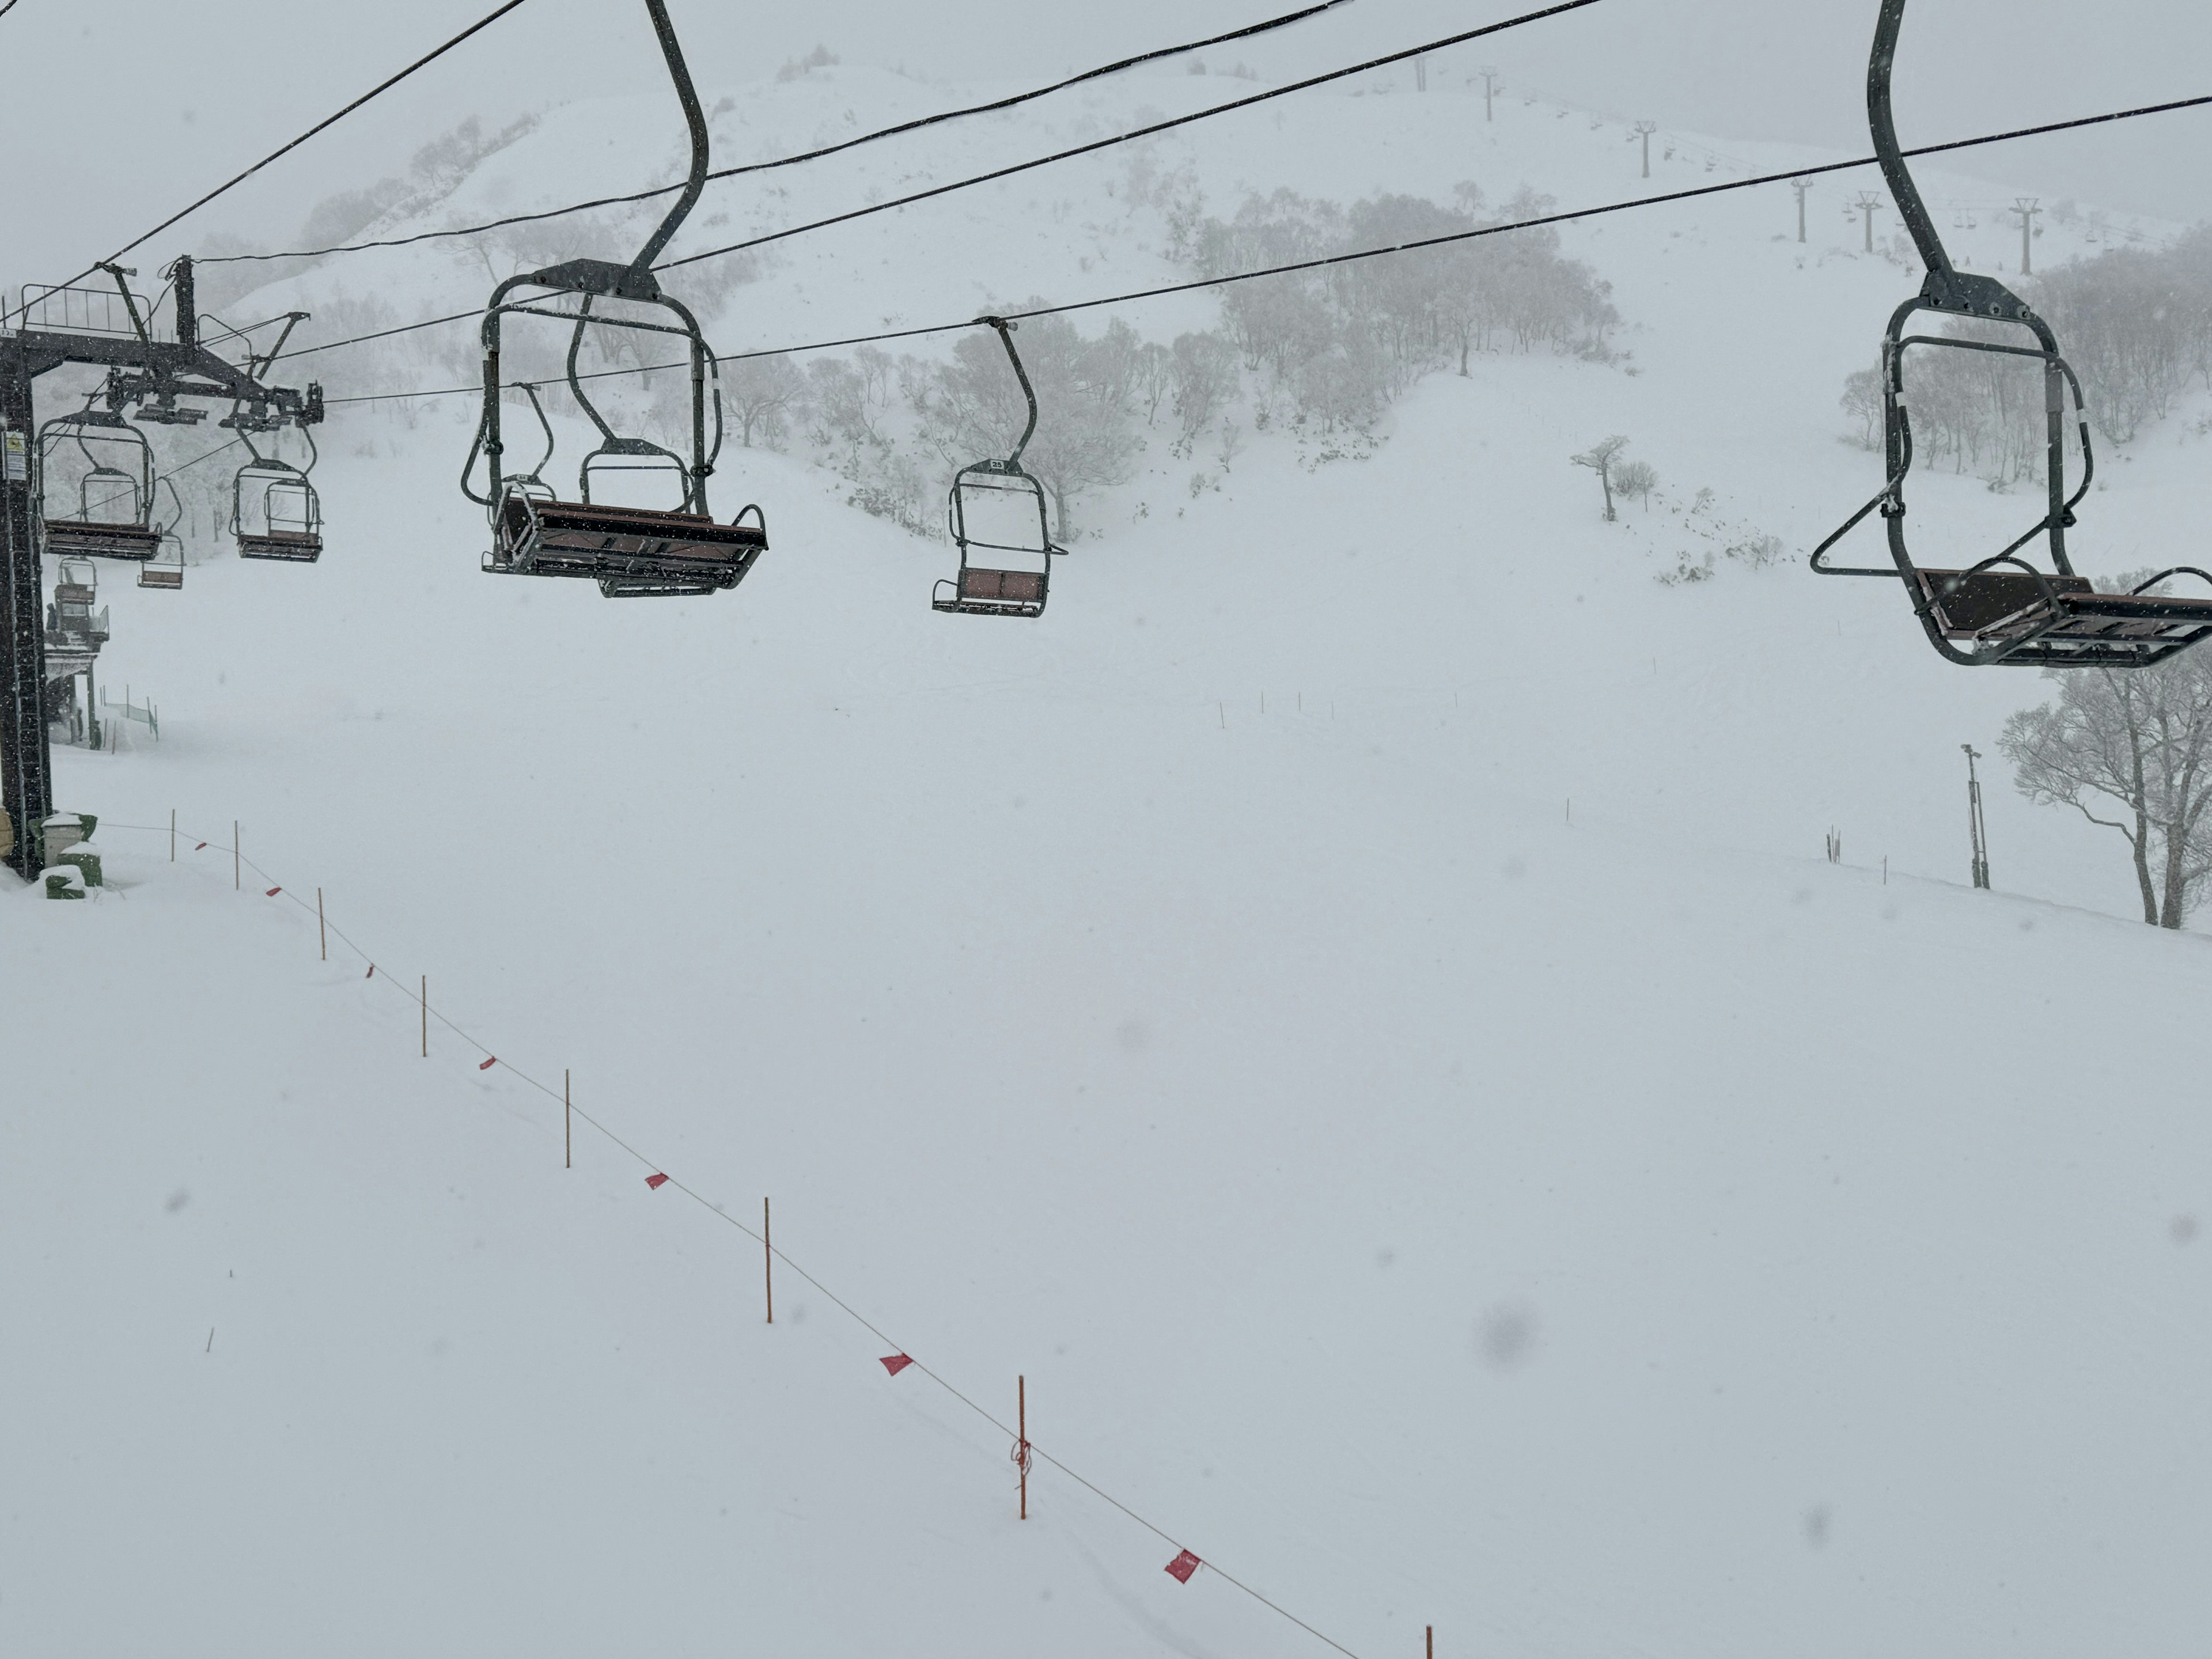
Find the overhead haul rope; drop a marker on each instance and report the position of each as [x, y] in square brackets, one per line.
[1568, 217]
[661, 1178]
[1248, 31]
[1152, 130]
[382, 87]
[1155, 129]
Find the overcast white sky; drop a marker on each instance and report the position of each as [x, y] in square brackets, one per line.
[115, 112]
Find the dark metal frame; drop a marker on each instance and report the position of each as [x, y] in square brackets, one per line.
[267, 475]
[2005, 609]
[160, 572]
[630, 551]
[992, 590]
[130, 537]
[142, 370]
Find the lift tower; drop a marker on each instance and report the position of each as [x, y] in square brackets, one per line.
[141, 369]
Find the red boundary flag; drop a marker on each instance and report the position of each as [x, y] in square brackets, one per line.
[488, 1064]
[371, 974]
[274, 891]
[654, 1180]
[1182, 1566]
[896, 1363]
[201, 848]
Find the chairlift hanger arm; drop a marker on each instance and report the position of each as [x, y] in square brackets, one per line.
[696, 119]
[1006, 338]
[1946, 289]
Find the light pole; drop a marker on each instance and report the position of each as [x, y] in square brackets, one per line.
[1803, 187]
[1976, 827]
[1489, 90]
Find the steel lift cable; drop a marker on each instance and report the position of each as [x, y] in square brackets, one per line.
[1569, 217]
[1061, 155]
[1153, 131]
[382, 86]
[1267, 27]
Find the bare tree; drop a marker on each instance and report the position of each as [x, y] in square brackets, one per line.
[1205, 371]
[1636, 480]
[755, 392]
[1599, 458]
[2131, 750]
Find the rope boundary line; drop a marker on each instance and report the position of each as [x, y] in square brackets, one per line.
[284, 890]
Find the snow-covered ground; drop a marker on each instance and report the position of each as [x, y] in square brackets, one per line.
[1593, 1229]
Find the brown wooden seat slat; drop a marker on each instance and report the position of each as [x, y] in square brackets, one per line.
[159, 576]
[286, 544]
[1007, 587]
[630, 551]
[101, 541]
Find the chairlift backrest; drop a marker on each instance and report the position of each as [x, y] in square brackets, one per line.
[94, 468]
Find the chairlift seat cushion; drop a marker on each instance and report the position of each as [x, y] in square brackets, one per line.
[293, 546]
[612, 543]
[161, 575]
[67, 537]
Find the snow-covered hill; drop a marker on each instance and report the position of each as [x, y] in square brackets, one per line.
[1585, 1228]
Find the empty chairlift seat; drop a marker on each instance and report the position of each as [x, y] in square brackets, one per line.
[2003, 609]
[78, 536]
[997, 517]
[275, 515]
[2063, 621]
[96, 488]
[629, 551]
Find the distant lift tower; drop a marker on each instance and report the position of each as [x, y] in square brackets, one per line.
[142, 370]
[1975, 825]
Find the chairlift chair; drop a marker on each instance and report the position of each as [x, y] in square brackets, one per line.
[166, 569]
[106, 516]
[2002, 609]
[998, 510]
[630, 551]
[72, 618]
[274, 512]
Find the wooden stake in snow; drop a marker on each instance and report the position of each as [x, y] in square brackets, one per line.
[235, 884]
[767, 1263]
[1432, 1642]
[322, 930]
[1022, 1441]
[172, 835]
[426, 1017]
[568, 1143]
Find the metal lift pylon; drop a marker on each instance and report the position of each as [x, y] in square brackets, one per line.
[140, 368]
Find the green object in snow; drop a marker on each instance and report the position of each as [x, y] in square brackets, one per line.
[86, 861]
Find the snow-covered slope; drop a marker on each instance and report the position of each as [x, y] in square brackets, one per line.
[1590, 1230]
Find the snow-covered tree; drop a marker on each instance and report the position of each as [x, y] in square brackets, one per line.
[2131, 751]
